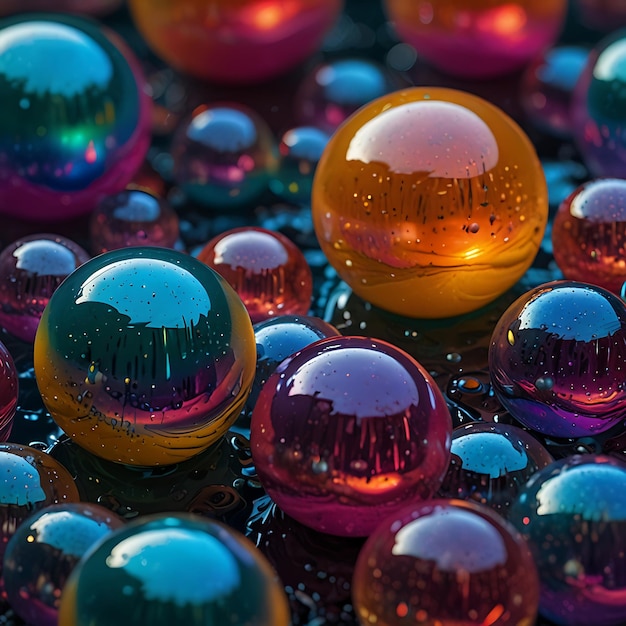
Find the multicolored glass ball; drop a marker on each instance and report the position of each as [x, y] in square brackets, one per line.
[9, 390]
[445, 563]
[557, 357]
[347, 430]
[168, 569]
[144, 356]
[76, 123]
[430, 202]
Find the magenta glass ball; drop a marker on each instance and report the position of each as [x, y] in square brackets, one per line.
[31, 269]
[557, 358]
[9, 389]
[346, 431]
[266, 269]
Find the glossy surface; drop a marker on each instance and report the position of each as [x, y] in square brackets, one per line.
[346, 430]
[556, 359]
[478, 38]
[430, 202]
[168, 570]
[144, 356]
[31, 269]
[573, 515]
[77, 120]
[445, 563]
[43, 552]
[9, 390]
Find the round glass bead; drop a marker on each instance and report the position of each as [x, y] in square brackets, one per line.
[556, 359]
[346, 431]
[144, 356]
[430, 202]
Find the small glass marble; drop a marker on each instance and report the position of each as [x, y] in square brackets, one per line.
[9, 390]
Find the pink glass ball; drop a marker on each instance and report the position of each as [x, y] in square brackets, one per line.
[9, 388]
[266, 269]
[346, 431]
[31, 269]
[445, 563]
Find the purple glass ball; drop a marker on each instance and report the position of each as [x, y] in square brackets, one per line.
[9, 389]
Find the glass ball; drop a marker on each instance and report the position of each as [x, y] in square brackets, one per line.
[9, 390]
[77, 120]
[490, 463]
[144, 356]
[266, 269]
[430, 202]
[43, 552]
[556, 359]
[89, 7]
[573, 516]
[234, 41]
[346, 431]
[31, 269]
[132, 218]
[445, 563]
[223, 156]
[478, 38]
[168, 569]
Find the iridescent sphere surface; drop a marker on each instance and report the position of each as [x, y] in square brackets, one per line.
[144, 356]
[346, 431]
[76, 123]
[9, 390]
[168, 569]
[31, 269]
[223, 156]
[43, 552]
[589, 234]
[557, 357]
[478, 38]
[573, 515]
[430, 202]
[132, 218]
[490, 463]
[266, 269]
[445, 563]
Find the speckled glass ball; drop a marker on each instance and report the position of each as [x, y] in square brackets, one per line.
[430, 202]
[31, 269]
[132, 218]
[573, 515]
[234, 41]
[9, 390]
[557, 358]
[491, 462]
[144, 356]
[76, 123]
[478, 38]
[445, 563]
[346, 431]
[43, 552]
[223, 156]
[266, 269]
[166, 570]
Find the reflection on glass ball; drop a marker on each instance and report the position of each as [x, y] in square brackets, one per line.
[9, 389]
[556, 359]
[31, 269]
[445, 563]
[166, 570]
[144, 356]
[346, 431]
[430, 202]
[76, 123]
[43, 552]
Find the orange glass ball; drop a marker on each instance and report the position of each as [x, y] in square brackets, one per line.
[430, 202]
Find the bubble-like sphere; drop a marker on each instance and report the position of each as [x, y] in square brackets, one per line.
[346, 431]
[478, 38]
[430, 202]
[144, 356]
[266, 269]
[181, 569]
[445, 563]
[76, 123]
[573, 515]
[43, 552]
[557, 356]
[31, 269]
[9, 390]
